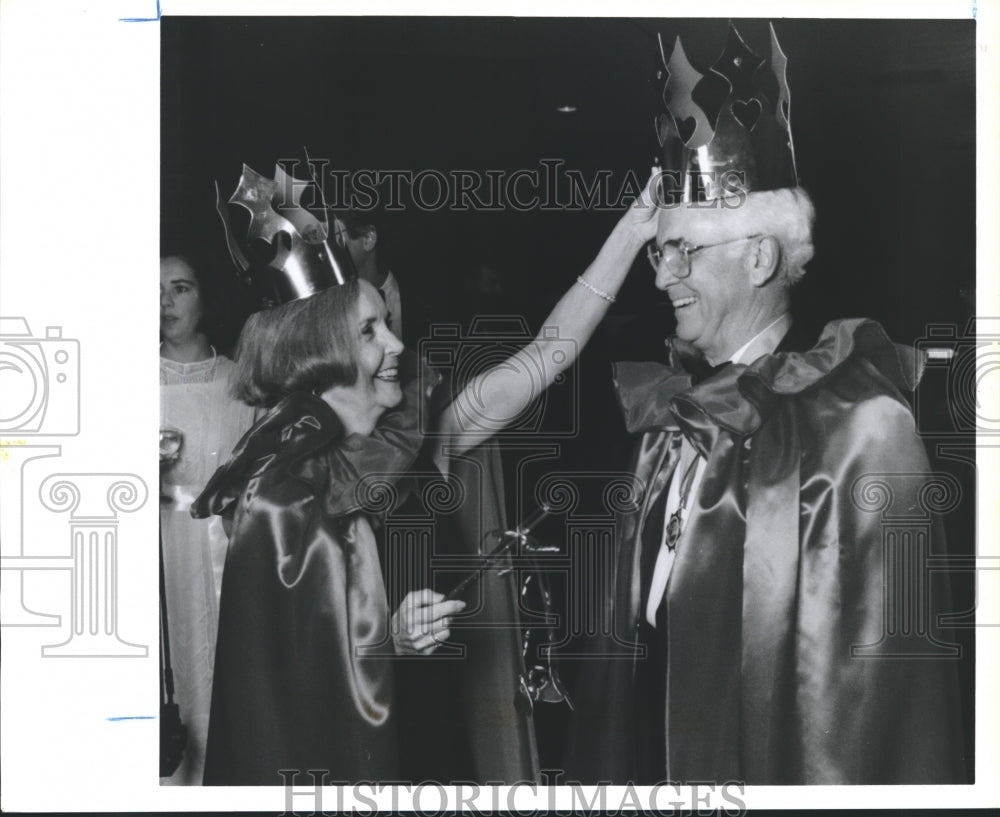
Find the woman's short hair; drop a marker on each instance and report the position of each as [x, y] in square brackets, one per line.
[788, 215]
[304, 345]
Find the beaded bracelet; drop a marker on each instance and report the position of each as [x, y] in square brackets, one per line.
[599, 293]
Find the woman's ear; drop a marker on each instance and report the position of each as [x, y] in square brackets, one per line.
[370, 239]
[763, 260]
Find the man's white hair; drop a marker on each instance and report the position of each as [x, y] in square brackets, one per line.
[788, 215]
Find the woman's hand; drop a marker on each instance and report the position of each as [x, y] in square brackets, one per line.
[641, 216]
[421, 623]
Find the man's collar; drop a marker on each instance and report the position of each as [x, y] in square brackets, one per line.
[765, 341]
[684, 355]
[654, 396]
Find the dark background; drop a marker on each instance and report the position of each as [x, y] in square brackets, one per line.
[882, 111]
[883, 114]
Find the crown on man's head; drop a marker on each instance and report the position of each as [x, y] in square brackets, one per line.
[722, 134]
[286, 255]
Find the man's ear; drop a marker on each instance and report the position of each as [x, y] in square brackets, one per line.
[370, 239]
[763, 260]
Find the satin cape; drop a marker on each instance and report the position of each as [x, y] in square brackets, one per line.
[778, 574]
[305, 668]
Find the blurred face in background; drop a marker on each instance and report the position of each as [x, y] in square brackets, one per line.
[361, 242]
[180, 301]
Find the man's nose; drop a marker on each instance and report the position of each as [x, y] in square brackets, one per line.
[664, 276]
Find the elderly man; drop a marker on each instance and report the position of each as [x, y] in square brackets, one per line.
[747, 574]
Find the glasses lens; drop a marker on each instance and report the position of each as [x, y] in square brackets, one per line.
[670, 255]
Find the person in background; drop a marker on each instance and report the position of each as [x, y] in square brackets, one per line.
[361, 234]
[206, 422]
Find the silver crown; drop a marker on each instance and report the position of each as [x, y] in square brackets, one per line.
[299, 260]
[738, 146]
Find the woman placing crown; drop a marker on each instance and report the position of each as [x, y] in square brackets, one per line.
[314, 639]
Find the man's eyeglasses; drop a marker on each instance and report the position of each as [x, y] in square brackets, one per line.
[677, 254]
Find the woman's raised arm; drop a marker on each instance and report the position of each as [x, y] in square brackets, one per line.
[494, 398]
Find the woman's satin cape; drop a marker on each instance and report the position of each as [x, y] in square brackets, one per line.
[304, 666]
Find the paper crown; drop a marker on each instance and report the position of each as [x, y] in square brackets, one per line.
[286, 255]
[721, 134]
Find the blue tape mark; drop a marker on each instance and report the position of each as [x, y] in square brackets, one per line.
[133, 718]
[155, 19]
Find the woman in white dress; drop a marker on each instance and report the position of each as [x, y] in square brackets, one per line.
[194, 400]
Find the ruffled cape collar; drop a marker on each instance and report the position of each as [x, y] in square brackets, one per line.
[302, 438]
[736, 398]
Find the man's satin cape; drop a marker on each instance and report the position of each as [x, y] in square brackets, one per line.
[778, 574]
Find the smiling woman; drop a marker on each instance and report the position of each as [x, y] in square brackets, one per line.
[360, 404]
[305, 598]
[317, 597]
[335, 344]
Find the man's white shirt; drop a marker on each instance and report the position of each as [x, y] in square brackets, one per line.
[763, 343]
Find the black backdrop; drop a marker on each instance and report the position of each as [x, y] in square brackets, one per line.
[883, 114]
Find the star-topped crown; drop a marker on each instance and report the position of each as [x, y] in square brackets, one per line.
[721, 134]
[286, 255]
